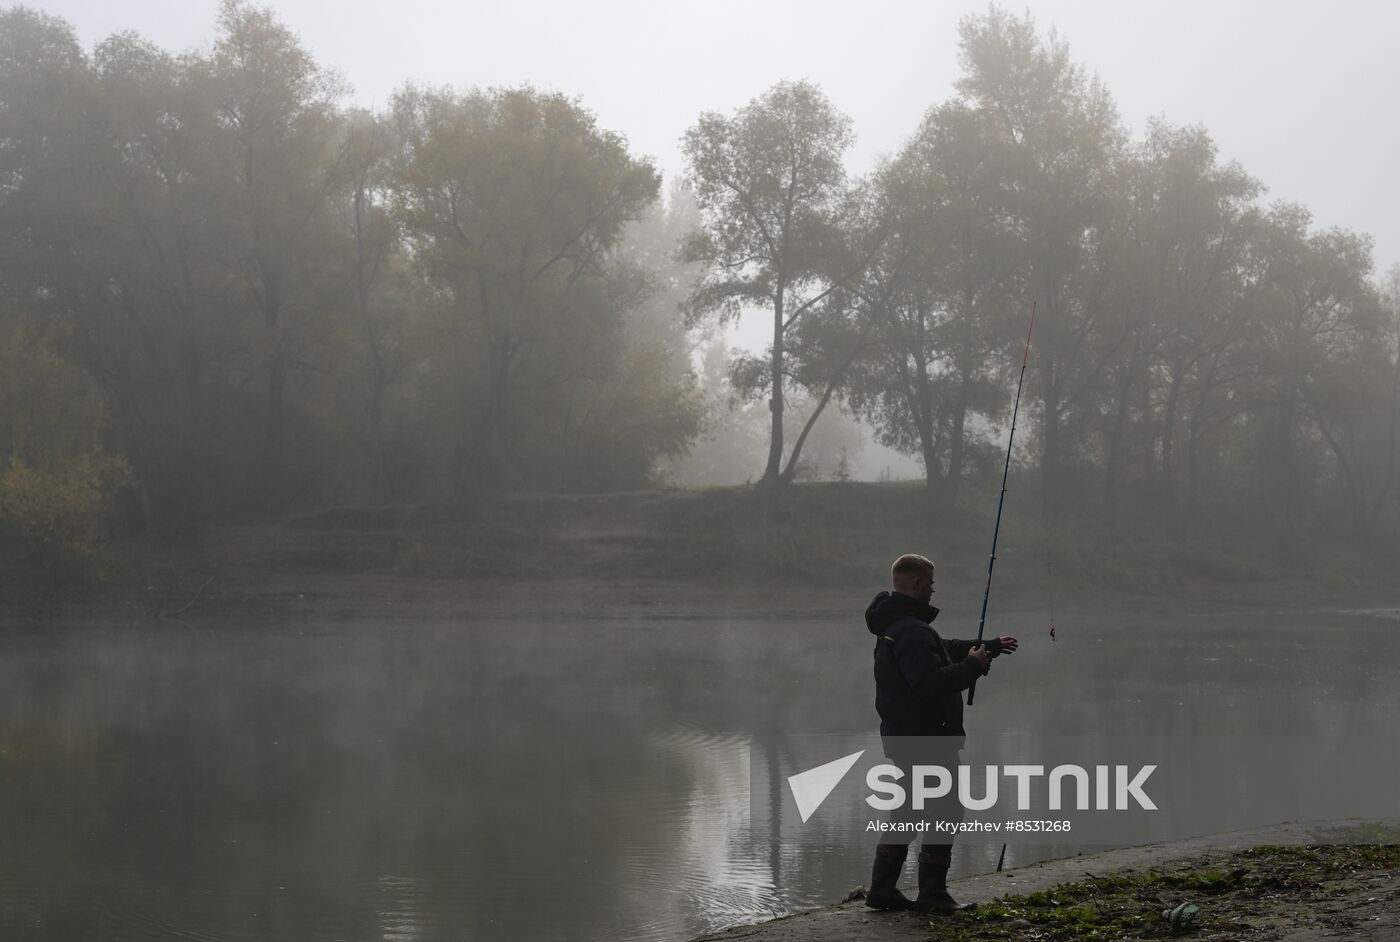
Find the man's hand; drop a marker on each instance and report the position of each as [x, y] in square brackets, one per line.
[982, 656]
[1008, 645]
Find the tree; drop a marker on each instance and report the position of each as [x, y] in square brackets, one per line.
[366, 153]
[654, 244]
[116, 260]
[1353, 402]
[49, 408]
[733, 434]
[823, 348]
[277, 118]
[1322, 339]
[773, 193]
[1057, 136]
[1188, 225]
[512, 202]
[948, 302]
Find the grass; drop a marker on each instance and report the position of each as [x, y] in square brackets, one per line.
[1236, 893]
[825, 534]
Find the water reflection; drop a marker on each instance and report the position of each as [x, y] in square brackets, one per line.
[533, 779]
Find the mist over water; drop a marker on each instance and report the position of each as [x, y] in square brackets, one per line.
[295, 301]
[539, 777]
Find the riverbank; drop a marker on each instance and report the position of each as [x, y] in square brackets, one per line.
[703, 548]
[1277, 883]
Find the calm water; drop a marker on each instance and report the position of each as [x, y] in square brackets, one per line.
[543, 778]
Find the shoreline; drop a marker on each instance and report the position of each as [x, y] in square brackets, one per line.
[851, 920]
[237, 593]
[713, 549]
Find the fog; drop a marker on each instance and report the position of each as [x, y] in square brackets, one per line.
[1296, 92]
[1299, 92]
[435, 440]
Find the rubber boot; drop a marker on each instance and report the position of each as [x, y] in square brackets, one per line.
[884, 879]
[933, 884]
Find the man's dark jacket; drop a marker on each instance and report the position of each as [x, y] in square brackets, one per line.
[919, 677]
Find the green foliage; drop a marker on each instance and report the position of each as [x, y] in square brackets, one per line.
[946, 281]
[1226, 893]
[263, 300]
[783, 231]
[515, 204]
[770, 182]
[60, 513]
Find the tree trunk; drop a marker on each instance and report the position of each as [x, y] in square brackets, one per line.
[490, 444]
[274, 421]
[1114, 453]
[1284, 459]
[1050, 454]
[772, 474]
[921, 408]
[1194, 433]
[192, 410]
[1149, 464]
[376, 428]
[1392, 433]
[1168, 493]
[790, 471]
[378, 453]
[274, 432]
[1354, 484]
[956, 447]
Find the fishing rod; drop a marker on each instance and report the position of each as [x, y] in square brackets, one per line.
[1001, 501]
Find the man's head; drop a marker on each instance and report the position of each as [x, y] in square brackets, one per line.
[913, 576]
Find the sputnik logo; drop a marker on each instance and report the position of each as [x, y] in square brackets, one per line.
[811, 788]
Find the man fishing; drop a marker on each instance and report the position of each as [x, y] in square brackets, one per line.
[919, 678]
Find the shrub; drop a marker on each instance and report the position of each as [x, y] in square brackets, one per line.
[60, 513]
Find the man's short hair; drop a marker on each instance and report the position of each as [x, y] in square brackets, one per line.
[911, 563]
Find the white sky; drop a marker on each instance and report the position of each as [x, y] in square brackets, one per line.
[1304, 95]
